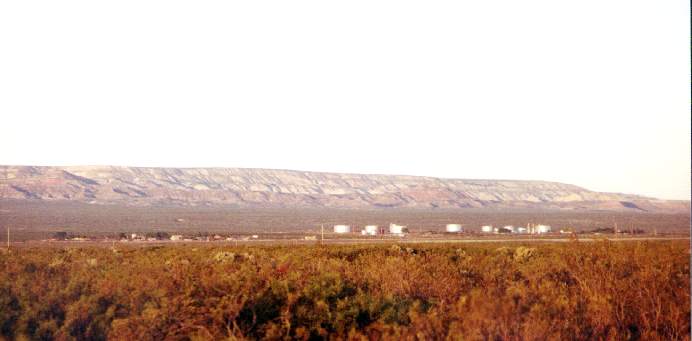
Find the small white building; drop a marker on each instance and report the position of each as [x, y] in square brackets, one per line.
[369, 230]
[342, 229]
[521, 230]
[454, 228]
[398, 229]
[509, 228]
[487, 228]
[176, 237]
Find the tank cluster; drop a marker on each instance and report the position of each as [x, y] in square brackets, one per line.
[373, 230]
[528, 229]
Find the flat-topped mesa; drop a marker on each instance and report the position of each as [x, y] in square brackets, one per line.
[287, 188]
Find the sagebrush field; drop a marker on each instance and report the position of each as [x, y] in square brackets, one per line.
[511, 291]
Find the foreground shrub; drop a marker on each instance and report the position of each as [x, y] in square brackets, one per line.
[575, 291]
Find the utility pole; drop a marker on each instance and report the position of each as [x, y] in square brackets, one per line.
[322, 240]
[8, 226]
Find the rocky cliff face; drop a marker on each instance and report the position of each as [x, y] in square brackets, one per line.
[284, 188]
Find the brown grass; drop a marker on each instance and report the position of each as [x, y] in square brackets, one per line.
[567, 291]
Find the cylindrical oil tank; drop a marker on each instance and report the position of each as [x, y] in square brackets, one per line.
[454, 228]
[543, 229]
[397, 229]
[370, 230]
[342, 229]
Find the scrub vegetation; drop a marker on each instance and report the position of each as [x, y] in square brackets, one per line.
[540, 291]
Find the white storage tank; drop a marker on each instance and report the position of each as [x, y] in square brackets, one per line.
[397, 229]
[543, 229]
[487, 228]
[453, 228]
[342, 229]
[510, 228]
[369, 230]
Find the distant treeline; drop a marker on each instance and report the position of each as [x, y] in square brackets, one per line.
[159, 235]
[611, 230]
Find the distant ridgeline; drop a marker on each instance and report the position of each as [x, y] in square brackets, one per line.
[285, 188]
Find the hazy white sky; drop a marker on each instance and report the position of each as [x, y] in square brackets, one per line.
[593, 93]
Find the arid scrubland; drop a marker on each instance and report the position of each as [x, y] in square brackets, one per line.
[568, 291]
